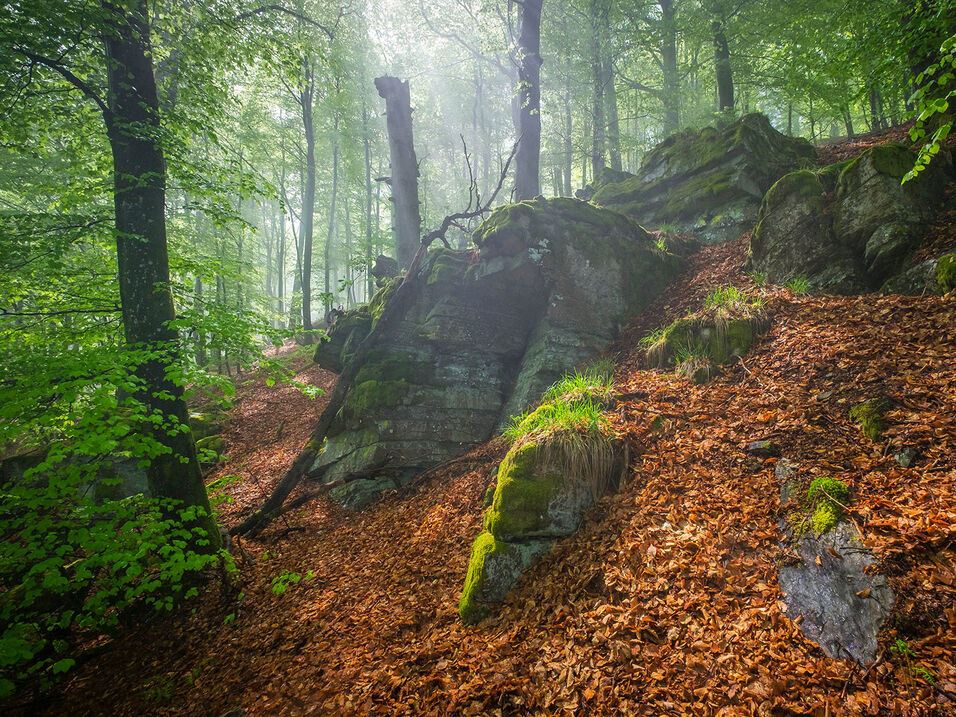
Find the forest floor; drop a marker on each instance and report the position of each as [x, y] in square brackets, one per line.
[665, 602]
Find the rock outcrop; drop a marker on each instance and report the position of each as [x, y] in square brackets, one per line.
[549, 285]
[708, 183]
[850, 227]
[829, 583]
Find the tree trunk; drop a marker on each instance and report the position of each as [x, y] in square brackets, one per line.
[406, 224]
[327, 257]
[613, 120]
[528, 158]
[308, 196]
[723, 69]
[671, 93]
[367, 144]
[568, 128]
[599, 22]
[139, 184]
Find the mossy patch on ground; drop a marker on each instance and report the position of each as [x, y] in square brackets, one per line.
[821, 507]
[946, 272]
[871, 416]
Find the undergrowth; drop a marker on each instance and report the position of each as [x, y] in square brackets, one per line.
[574, 404]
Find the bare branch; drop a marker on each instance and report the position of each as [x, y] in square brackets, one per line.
[330, 33]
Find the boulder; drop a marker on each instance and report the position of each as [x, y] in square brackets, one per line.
[850, 227]
[708, 183]
[541, 496]
[829, 584]
[548, 287]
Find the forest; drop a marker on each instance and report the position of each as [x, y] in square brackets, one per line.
[479, 357]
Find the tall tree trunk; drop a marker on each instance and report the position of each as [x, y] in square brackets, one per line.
[407, 222]
[139, 185]
[671, 91]
[528, 158]
[568, 128]
[367, 145]
[598, 21]
[876, 107]
[613, 119]
[723, 69]
[327, 257]
[306, 96]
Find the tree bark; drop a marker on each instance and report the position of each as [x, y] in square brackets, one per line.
[598, 22]
[527, 161]
[306, 96]
[613, 119]
[407, 222]
[671, 90]
[139, 184]
[327, 257]
[723, 69]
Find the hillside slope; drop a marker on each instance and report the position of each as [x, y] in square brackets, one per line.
[665, 602]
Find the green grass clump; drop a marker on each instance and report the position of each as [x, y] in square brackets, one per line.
[725, 297]
[759, 278]
[652, 337]
[798, 285]
[575, 404]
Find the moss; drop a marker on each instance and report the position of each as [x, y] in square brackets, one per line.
[447, 265]
[828, 488]
[825, 518]
[470, 609]
[870, 416]
[489, 495]
[521, 500]
[826, 497]
[370, 395]
[376, 304]
[946, 272]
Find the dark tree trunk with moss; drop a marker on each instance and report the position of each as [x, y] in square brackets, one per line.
[407, 220]
[139, 175]
[527, 160]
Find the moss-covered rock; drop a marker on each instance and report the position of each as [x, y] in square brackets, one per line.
[485, 332]
[210, 449]
[849, 227]
[494, 567]
[707, 183]
[699, 344]
[539, 497]
[946, 272]
[871, 415]
[203, 425]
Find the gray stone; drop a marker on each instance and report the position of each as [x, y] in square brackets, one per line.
[843, 607]
[707, 183]
[850, 227]
[548, 287]
[764, 449]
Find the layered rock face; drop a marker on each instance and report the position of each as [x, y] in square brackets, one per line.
[708, 183]
[549, 285]
[850, 227]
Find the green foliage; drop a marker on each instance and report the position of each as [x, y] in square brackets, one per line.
[287, 578]
[936, 89]
[798, 285]
[573, 404]
[759, 278]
